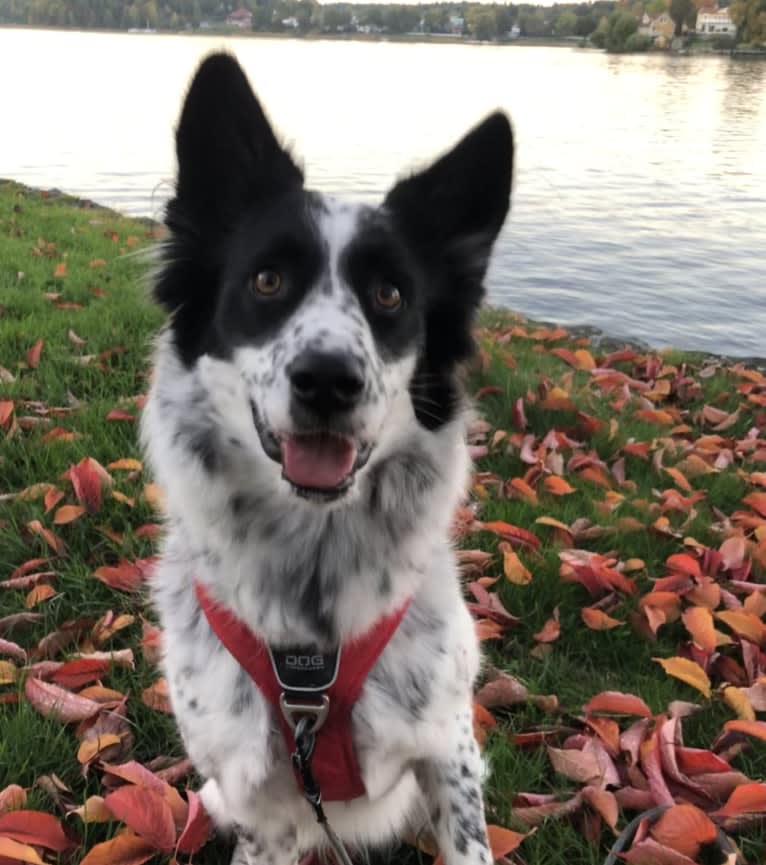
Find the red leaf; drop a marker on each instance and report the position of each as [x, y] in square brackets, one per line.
[146, 813]
[119, 414]
[550, 631]
[685, 564]
[649, 852]
[125, 576]
[511, 533]
[35, 827]
[198, 826]
[135, 773]
[33, 355]
[51, 701]
[598, 620]
[123, 849]
[87, 484]
[75, 674]
[617, 703]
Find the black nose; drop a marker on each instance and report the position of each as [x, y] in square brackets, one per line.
[326, 382]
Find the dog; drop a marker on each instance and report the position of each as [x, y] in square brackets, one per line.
[307, 423]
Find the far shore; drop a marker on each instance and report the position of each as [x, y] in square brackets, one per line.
[411, 38]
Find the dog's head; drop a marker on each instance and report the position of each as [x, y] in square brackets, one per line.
[343, 323]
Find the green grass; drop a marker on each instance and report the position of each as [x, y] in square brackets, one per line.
[37, 233]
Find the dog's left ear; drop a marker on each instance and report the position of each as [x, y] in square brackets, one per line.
[457, 206]
[228, 154]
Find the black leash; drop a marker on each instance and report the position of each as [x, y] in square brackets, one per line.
[305, 739]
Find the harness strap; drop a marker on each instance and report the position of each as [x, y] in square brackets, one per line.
[334, 759]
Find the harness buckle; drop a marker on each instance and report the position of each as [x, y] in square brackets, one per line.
[295, 708]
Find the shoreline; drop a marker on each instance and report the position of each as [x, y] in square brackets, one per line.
[581, 43]
[596, 335]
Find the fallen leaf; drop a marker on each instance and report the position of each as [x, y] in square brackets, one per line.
[513, 568]
[156, 697]
[51, 701]
[698, 621]
[34, 827]
[17, 852]
[684, 828]
[38, 594]
[745, 799]
[198, 828]
[68, 514]
[33, 355]
[550, 631]
[617, 703]
[598, 620]
[93, 811]
[751, 728]
[126, 464]
[558, 486]
[687, 671]
[123, 849]
[649, 852]
[737, 699]
[59, 270]
[503, 841]
[12, 798]
[145, 812]
[577, 765]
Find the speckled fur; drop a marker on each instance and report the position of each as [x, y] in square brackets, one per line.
[298, 571]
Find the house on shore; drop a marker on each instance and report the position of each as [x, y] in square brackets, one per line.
[241, 18]
[660, 28]
[715, 22]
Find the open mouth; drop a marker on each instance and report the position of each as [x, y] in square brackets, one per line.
[318, 464]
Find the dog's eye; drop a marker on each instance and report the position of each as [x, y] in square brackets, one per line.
[266, 282]
[388, 298]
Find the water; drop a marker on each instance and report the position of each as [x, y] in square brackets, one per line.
[640, 196]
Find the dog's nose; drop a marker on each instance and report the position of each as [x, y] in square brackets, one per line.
[326, 382]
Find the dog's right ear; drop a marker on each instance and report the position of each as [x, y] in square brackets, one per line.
[228, 154]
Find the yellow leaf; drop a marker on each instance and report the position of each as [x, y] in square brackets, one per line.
[737, 699]
[514, 570]
[7, 673]
[68, 514]
[687, 671]
[94, 811]
[154, 496]
[126, 464]
[633, 565]
[744, 624]
[121, 497]
[89, 748]
[19, 852]
[584, 360]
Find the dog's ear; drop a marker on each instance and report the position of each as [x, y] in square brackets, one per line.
[457, 206]
[227, 151]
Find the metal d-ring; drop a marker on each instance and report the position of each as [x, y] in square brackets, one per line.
[295, 708]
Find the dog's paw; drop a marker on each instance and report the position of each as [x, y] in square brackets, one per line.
[212, 799]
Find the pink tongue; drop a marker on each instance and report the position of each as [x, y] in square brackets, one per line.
[322, 462]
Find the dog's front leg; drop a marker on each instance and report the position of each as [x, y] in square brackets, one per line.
[273, 844]
[452, 789]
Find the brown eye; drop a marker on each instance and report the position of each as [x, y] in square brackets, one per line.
[267, 283]
[387, 297]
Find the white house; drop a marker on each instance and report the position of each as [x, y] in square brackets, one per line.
[715, 23]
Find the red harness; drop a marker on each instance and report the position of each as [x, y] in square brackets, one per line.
[334, 760]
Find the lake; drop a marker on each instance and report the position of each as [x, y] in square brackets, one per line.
[640, 194]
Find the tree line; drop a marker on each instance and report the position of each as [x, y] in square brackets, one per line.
[612, 24]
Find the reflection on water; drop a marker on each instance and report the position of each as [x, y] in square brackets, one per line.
[640, 180]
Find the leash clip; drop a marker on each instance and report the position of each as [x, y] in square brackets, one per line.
[295, 709]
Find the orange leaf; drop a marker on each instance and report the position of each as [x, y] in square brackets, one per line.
[53, 541]
[680, 479]
[123, 849]
[687, 671]
[745, 799]
[38, 594]
[483, 720]
[512, 533]
[551, 630]
[8, 673]
[60, 269]
[97, 262]
[618, 703]
[68, 514]
[757, 502]
[17, 852]
[558, 486]
[154, 496]
[523, 490]
[752, 728]
[125, 576]
[684, 564]
[146, 813]
[503, 841]
[598, 620]
[655, 415]
[684, 828]
[33, 355]
[12, 798]
[6, 410]
[156, 697]
[699, 623]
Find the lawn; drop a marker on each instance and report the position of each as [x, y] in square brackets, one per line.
[617, 519]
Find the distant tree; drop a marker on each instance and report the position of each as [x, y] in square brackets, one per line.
[335, 18]
[680, 12]
[481, 23]
[503, 19]
[532, 23]
[750, 18]
[565, 24]
[657, 7]
[586, 24]
[622, 25]
[436, 20]
[400, 19]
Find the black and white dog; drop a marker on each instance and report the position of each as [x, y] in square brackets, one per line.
[307, 424]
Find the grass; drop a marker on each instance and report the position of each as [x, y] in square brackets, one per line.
[58, 417]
